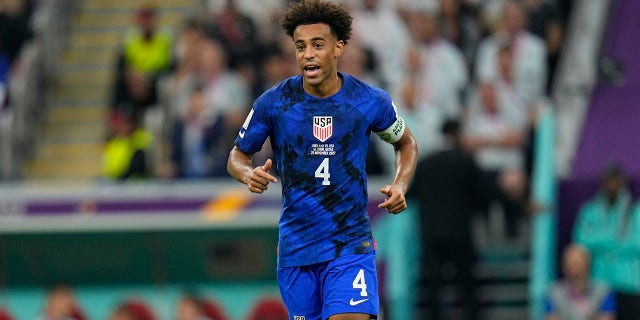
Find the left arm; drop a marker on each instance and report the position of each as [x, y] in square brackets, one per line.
[406, 151]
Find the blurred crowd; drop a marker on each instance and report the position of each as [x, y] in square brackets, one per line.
[61, 303]
[601, 275]
[181, 94]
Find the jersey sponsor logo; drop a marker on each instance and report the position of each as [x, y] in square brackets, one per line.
[298, 318]
[357, 302]
[322, 127]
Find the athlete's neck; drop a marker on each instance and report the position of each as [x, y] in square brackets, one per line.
[326, 89]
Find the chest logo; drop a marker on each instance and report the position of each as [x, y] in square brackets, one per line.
[322, 127]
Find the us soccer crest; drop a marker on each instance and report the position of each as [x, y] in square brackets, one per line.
[322, 127]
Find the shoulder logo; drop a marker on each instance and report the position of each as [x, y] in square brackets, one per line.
[322, 127]
[245, 125]
[357, 302]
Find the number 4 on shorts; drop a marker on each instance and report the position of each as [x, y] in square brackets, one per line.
[359, 283]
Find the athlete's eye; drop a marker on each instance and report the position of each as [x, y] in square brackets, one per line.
[318, 46]
[300, 48]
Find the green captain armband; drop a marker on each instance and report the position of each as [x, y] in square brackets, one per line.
[394, 132]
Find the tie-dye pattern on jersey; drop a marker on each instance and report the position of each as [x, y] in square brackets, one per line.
[320, 146]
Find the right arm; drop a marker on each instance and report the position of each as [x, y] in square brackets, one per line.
[239, 166]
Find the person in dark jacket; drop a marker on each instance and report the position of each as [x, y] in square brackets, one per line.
[446, 187]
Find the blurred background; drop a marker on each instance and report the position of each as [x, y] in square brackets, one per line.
[117, 116]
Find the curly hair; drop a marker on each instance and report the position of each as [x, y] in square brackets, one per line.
[318, 11]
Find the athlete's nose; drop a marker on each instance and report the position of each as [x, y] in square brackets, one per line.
[308, 53]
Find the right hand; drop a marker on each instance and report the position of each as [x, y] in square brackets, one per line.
[258, 179]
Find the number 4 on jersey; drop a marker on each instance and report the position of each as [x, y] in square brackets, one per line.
[322, 172]
[359, 283]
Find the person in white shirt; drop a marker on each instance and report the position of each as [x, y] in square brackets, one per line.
[380, 28]
[496, 136]
[435, 79]
[529, 51]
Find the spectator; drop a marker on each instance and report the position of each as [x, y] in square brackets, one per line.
[496, 137]
[135, 94]
[459, 25]
[147, 48]
[576, 297]
[261, 15]
[530, 69]
[439, 75]
[380, 29]
[508, 88]
[546, 23]
[227, 94]
[133, 309]
[125, 153]
[273, 66]
[175, 87]
[421, 115]
[61, 304]
[145, 54]
[15, 26]
[512, 99]
[194, 142]
[446, 187]
[443, 73]
[359, 62]
[608, 225]
[237, 34]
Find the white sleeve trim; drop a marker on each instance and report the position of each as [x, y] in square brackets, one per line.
[394, 132]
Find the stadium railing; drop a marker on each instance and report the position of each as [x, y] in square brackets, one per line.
[30, 84]
[543, 189]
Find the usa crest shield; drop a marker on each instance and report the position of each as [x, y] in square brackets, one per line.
[322, 127]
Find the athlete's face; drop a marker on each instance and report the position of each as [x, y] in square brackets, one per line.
[317, 52]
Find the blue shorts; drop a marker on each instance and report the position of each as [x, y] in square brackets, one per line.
[348, 284]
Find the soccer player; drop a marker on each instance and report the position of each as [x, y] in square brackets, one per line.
[319, 124]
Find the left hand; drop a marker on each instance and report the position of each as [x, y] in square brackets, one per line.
[395, 201]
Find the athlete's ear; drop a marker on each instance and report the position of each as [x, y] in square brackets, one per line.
[339, 48]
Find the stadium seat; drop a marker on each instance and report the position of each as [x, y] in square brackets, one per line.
[4, 314]
[269, 309]
[213, 311]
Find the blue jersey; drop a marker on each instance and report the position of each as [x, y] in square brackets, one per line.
[320, 146]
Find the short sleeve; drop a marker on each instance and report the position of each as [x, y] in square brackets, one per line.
[256, 127]
[386, 115]
[388, 125]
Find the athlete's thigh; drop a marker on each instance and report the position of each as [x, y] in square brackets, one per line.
[351, 287]
[300, 291]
